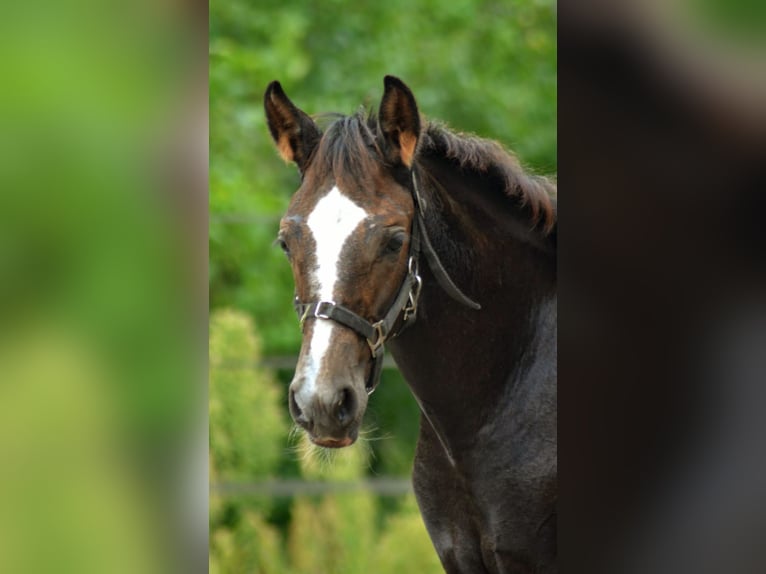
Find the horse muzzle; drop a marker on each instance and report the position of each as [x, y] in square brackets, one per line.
[331, 415]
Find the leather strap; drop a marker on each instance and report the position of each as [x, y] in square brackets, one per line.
[441, 275]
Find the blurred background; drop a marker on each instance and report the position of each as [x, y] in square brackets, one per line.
[103, 334]
[662, 278]
[487, 67]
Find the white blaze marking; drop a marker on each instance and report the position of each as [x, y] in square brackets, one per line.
[333, 220]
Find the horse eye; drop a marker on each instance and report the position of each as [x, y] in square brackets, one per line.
[395, 243]
[283, 246]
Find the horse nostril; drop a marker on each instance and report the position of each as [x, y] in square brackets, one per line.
[298, 415]
[345, 405]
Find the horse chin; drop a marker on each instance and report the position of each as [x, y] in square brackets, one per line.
[335, 442]
[332, 442]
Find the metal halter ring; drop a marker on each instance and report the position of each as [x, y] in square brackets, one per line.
[316, 313]
[380, 338]
[412, 266]
[411, 309]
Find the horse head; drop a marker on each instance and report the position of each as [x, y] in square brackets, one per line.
[347, 234]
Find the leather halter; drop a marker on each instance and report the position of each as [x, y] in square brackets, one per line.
[405, 303]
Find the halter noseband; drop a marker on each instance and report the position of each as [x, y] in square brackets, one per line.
[406, 302]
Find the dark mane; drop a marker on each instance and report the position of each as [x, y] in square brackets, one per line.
[350, 148]
[487, 157]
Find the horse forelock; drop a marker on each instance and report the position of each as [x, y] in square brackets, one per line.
[348, 153]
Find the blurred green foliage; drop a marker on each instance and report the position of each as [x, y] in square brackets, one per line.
[487, 67]
[72, 500]
[739, 23]
[247, 429]
[244, 401]
[97, 358]
[338, 532]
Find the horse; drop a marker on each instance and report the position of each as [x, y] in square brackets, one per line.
[438, 245]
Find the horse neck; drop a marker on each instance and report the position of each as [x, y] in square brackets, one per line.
[484, 239]
[459, 362]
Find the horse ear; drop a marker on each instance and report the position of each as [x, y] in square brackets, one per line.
[294, 132]
[399, 120]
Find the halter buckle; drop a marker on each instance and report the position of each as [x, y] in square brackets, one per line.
[411, 309]
[380, 338]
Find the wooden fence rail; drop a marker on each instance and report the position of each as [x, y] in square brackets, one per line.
[384, 486]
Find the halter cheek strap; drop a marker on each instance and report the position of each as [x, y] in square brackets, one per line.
[405, 303]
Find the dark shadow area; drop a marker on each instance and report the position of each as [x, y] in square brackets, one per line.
[663, 297]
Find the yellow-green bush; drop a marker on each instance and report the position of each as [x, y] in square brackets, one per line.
[247, 412]
[404, 545]
[253, 546]
[334, 533]
[248, 430]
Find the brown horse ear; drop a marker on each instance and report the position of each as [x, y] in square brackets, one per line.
[294, 132]
[399, 120]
